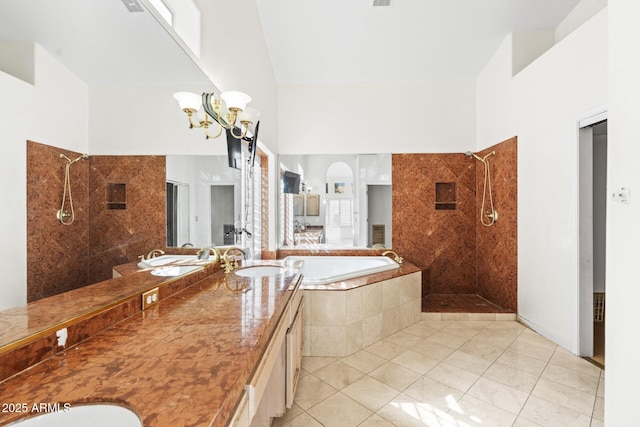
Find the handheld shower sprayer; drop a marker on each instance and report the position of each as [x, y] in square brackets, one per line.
[63, 215]
[491, 213]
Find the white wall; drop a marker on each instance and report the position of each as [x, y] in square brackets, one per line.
[623, 224]
[52, 112]
[429, 116]
[145, 121]
[542, 105]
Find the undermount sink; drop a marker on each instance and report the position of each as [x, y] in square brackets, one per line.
[95, 415]
[170, 265]
[260, 271]
[166, 259]
[174, 270]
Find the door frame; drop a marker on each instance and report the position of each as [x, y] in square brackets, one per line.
[584, 247]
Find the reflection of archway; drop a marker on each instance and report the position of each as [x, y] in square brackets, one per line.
[339, 218]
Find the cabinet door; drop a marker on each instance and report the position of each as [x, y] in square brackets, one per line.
[294, 354]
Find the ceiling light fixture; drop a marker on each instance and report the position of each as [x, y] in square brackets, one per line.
[201, 109]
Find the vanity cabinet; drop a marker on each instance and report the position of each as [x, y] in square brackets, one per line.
[272, 386]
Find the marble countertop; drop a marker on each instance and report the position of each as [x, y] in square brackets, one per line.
[184, 361]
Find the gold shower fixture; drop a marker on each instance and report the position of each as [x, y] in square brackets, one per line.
[490, 213]
[63, 215]
[203, 110]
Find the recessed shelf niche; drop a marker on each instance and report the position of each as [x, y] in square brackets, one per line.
[116, 196]
[446, 196]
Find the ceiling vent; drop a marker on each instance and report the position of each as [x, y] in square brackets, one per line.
[382, 2]
[133, 5]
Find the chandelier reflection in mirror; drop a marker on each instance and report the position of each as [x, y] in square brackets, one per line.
[204, 110]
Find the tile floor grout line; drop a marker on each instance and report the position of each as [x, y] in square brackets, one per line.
[502, 350]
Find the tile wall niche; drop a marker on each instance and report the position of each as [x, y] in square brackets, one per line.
[456, 253]
[76, 255]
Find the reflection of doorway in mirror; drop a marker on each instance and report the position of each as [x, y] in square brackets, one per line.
[222, 214]
[339, 222]
[177, 213]
[379, 215]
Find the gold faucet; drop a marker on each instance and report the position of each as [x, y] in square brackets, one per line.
[397, 258]
[230, 264]
[204, 254]
[154, 253]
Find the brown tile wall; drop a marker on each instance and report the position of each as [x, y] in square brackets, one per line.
[440, 242]
[119, 236]
[497, 246]
[456, 253]
[56, 254]
[73, 256]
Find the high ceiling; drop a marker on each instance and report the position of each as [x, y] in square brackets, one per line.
[100, 41]
[354, 41]
[311, 42]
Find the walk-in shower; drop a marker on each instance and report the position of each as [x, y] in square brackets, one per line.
[488, 215]
[67, 217]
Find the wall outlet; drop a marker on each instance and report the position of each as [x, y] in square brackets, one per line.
[150, 298]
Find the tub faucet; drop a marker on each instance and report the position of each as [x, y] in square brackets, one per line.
[231, 264]
[154, 253]
[204, 253]
[397, 258]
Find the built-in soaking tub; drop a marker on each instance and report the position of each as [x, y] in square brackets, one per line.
[333, 272]
[352, 302]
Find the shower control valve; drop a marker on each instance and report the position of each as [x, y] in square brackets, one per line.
[62, 215]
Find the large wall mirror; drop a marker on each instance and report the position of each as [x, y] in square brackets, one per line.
[343, 201]
[212, 204]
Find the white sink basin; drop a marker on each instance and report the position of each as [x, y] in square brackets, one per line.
[260, 271]
[169, 265]
[166, 259]
[174, 270]
[95, 415]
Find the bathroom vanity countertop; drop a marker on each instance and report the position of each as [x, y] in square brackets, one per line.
[185, 361]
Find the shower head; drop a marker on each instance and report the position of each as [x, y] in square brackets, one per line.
[70, 162]
[470, 154]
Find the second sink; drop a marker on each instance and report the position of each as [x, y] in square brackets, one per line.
[260, 271]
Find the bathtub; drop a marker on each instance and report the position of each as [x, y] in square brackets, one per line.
[345, 312]
[324, 270]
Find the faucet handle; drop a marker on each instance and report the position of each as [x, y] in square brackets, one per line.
[203, 253]
[397, 258]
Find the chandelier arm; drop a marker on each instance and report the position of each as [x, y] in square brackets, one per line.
[243, 132]
[213, 109]
[192, 124]
[206, 132]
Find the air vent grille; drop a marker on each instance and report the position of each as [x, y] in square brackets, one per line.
[133, 5]
[382, 2]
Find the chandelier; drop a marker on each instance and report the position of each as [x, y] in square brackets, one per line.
[203, 110]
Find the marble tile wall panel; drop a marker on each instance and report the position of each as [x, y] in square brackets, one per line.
[119, 236]
[61, 251]
[440, 242]
[84, 252]
[456, 253]
[497, 246]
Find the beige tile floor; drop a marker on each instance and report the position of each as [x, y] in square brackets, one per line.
[451, 373]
